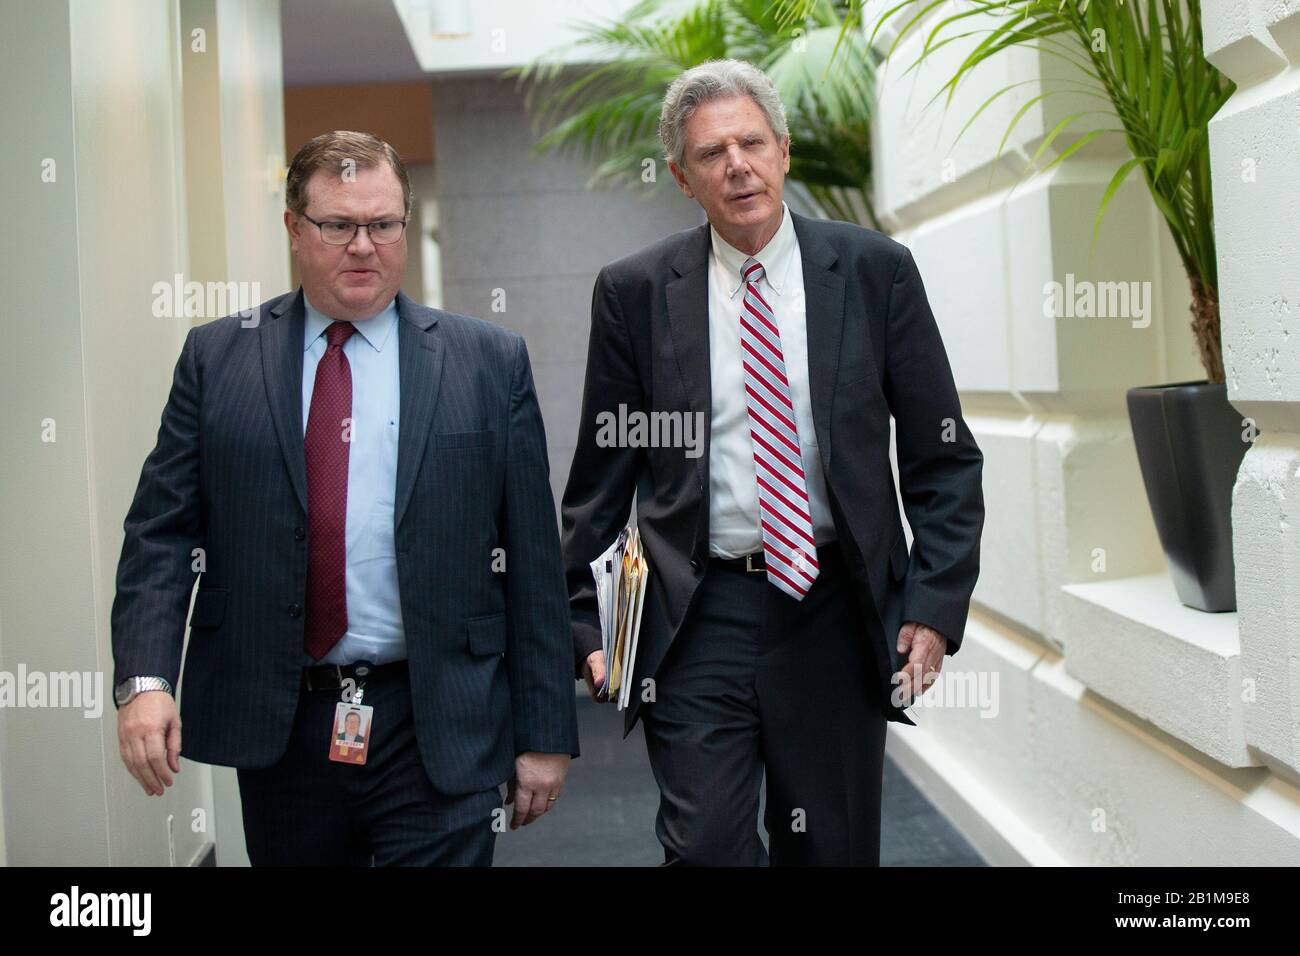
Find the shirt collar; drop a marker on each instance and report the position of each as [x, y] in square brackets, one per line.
[375, 330]
[775, 256]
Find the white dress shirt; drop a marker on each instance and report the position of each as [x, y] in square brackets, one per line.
[375, 630]
[733, 483]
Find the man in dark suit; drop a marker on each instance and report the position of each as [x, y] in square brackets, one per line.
[783, 606]
[363, 483]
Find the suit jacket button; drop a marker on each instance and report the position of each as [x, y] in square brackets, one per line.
[695, 563]
[299, 534]
[295, 610]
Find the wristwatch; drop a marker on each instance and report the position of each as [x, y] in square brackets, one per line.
[132, 687]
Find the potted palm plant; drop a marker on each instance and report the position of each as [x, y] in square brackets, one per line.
[1145, 58]
[606, 107]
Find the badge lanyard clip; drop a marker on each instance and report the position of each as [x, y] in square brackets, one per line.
[361, 669]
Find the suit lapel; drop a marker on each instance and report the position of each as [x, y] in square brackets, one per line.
[282, 346]
[688, 325]
[824, 299]
[688, 322]
[420, 373]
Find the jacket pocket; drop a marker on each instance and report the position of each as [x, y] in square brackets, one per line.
[209, 608]
[486, 634]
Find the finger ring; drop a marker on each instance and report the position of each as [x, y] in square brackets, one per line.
[549, 799]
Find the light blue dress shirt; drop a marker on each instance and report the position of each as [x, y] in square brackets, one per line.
[374, 610]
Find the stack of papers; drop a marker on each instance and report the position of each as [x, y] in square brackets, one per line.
[621, 574]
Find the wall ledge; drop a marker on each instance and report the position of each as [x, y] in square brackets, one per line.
[1132, 642]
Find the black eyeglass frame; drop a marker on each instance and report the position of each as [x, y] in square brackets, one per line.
[320, 225]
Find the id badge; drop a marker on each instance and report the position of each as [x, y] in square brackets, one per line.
[350, 739]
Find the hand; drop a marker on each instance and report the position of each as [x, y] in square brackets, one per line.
[149, 739]
[924, 647]
[536, 785]
[593, 670]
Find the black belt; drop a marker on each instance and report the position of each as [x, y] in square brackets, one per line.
[750, 562]
[332, 676]
[826, 554]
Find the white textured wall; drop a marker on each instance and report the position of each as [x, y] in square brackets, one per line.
[1254, 142]
[1119, 737]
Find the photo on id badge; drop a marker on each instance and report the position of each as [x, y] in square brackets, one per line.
[351, 738]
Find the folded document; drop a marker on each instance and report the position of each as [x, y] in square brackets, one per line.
[621, 575]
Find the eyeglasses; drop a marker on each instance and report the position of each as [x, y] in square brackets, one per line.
[339, 233]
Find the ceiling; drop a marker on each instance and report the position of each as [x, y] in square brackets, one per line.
[344, 42]
[328, 42]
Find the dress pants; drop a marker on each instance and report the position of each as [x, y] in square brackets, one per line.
[755, 681]
[308, 810]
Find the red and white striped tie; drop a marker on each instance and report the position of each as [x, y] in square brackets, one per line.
[789, 550]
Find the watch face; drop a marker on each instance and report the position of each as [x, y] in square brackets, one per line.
[123, 692]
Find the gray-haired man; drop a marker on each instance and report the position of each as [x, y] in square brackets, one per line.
[782, 604]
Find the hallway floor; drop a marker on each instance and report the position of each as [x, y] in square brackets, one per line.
[606, 815]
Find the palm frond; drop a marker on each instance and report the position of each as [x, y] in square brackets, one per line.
[1145, 56]
[600, 97]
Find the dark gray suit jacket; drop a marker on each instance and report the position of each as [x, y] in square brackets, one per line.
[873, 351]
[489, 652]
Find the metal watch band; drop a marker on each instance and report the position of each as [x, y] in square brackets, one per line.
[132, 687]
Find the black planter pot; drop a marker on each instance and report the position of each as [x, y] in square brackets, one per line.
[1189, 444]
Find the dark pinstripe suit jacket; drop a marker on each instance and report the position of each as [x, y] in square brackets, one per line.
[873, 352]
[490, 652]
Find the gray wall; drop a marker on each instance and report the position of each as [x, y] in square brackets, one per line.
[529, 226]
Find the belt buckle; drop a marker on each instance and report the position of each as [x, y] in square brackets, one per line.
[749, 562]
[313, 686]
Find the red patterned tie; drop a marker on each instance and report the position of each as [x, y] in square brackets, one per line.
[789, 550]
[329, 435]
